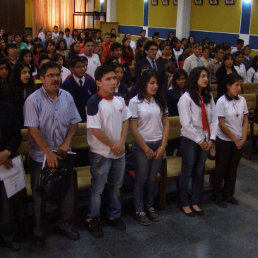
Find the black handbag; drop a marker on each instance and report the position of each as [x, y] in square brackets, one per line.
[54, 182]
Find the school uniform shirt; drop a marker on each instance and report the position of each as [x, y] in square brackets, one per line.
[177, 54]
[107, 115]
[241, 71]
[233, 111]
[149, 117]
[93, 63]
[190, 116]
[55, 36]
[191, 62]
[252, 75]
[213, 67]
[64, 73]
[81, 92]
[67, 40]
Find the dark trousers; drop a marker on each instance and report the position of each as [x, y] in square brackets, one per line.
[227, 161]
[66, 207]
[193, 160]
[7, 225]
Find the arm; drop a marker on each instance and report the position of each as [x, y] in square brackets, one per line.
[250, 74]
[244, 133]
[186, 66]
[119, 147]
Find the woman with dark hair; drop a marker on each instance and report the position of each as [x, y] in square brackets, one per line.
[29, 41]
[82, 39]
[51, 48]
[36, 51]
[26, 57]
[233, 127]
[61, 48]
[139, 52]
[174, 92]
[252, 73]
[5, 71]
[57, 58]
[199, 122]
[150, 127]
[127, 55]
[226, 68]
[238, 65]
[190, 42]
[183, 43]
[247, 59]
[74, 49]
[171, 37]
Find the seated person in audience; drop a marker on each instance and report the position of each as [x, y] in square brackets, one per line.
[52, 120]
[238, 65]
[48, 38]
[142, 36]
[139, 52]
[106, 44]
[175, 91]
[150, 50]
[106, 136]
[61, 49]
[64, 71]
[181, 59]
[121, 88]
[216, 63]
[55, 34]
[74, 50]
[61, 36]
[18, 41]
[29, 41]
[113, 38]
[13, 52]
[193, 60]
[247, 59]
[10, 139]
[132, 43]
[197, 114]
[67, 37]
[127, 54]
[36, 50]
[43, 58]
[36, 41]
[150, 128]
[82, 40]
[50, 47]
[5, 72]
[211, 47]
[227, 49]
[205, 57]
[93, 59]
[171, 38]
[42, 33]
[226, 68]
[2, 49]
[233, 127]
[74, 38]
[252, 73]
[177, 51]
[98, 50]
[183, 43]
[190, 42]
[80, 86]
[113, 31]
[98, 36]
[26, 57]
[239, 46]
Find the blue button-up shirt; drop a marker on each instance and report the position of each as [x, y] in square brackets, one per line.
[52, 119]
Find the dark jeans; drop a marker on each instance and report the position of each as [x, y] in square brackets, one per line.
[145, 177]
[193, 161]
[227, 161]
[66, 207]
[7, 224]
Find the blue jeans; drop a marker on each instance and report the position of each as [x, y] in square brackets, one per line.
[145, 177]
[193, 161]
[106, 171]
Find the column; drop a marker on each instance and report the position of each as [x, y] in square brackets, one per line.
[183, 19]
[111, 11]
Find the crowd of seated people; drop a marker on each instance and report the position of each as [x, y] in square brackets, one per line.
[52, 82]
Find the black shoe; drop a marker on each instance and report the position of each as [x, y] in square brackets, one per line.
[189, 214]
[221, 203]
[232, 200]
[199, 213]
[117, 223]
[152, 215]
[14, 246]
[94, 226]
[142, 218]
[40, 241]
[73, 234]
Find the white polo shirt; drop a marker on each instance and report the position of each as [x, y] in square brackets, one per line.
[64, 73]
[233, 111]
[107, 115]
[149, 118]
[241, 71]
[93, 63]
[190, 116]
[252, 76]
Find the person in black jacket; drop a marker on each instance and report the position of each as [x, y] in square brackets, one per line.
[226, 68]
[150, 50]
[175, 91]
[10, 138]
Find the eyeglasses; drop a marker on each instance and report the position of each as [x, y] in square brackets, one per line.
[52, 75]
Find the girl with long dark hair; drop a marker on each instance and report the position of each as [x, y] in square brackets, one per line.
[74, 49]
[150, 127]
[238, 65]
[127, 55]
[199, 122]
[27, 58]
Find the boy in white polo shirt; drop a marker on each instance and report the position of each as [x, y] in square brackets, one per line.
[107, 127]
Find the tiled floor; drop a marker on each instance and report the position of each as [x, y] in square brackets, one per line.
[230, 232]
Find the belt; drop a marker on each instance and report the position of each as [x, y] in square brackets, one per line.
[155, 142]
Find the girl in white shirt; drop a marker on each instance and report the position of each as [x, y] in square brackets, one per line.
[233, 125]
[239, 66]
[199, 122]
[252, 73]
[150, 127]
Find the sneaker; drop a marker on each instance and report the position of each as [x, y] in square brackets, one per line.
[142, 218]
[117, 223]
[152, 214]
[94, 226]
[232, 200]
[221, 203]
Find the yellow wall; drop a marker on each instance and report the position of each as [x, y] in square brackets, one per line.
[254, 18]
[220, 18]
[162, 15]
[129, 12]
[28, 13]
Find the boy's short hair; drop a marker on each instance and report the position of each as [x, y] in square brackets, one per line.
[88, 40]
[115, 46]
[102, 70]
[56, 56]
[107, 34]
[11, 45]
[240, 41]
[46, 66]
[67, 30]
[43, 57]
[142, 31]
[61, 32]
[77, 59]
[112, 35]
[149, 44]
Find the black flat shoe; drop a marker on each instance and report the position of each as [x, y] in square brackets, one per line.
[199, 213]
[189, 214]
